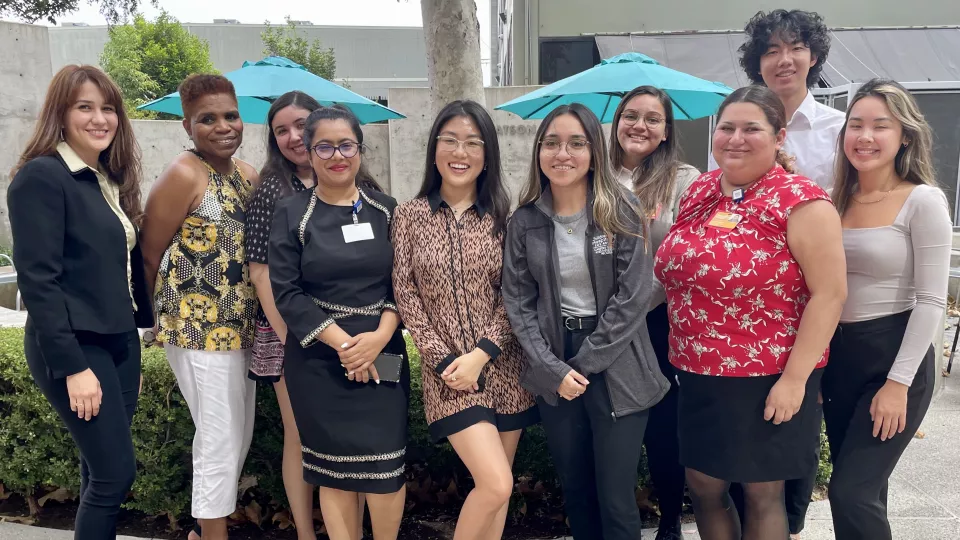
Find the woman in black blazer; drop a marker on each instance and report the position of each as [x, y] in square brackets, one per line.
[74, 203]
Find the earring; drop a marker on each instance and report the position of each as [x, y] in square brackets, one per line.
[61, 135]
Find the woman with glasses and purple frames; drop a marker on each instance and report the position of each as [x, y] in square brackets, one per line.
[330, 264]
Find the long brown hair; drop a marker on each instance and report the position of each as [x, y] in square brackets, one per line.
[611, 208]
[772, 108]
[654, 179]
[120, 161]
[913, 163]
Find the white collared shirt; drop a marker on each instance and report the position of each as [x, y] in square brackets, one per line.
[812, 135]
[111, 192]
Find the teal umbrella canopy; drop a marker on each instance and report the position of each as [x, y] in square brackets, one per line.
[259, 83]
[601, 87]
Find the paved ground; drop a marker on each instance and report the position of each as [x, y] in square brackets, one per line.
[924, 491]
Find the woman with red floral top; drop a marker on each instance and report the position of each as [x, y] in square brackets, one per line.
[754, 275]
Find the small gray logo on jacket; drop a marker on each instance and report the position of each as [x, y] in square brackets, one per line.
[601, 245]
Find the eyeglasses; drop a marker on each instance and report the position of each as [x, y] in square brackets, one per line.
[347, 149]
[630, 118]
[551, 147]
[446, 143]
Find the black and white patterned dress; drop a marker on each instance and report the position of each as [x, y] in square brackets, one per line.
[267, 363]
[353, 435]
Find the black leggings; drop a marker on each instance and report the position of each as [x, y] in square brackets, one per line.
[861, 355]
[107, 462]
[661, 440]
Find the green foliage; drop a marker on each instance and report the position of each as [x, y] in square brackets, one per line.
[39, 455]
[150, 59]
[33, 10]
[288, 42]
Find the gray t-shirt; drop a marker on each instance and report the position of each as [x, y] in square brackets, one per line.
[570, 236]
[899, 267]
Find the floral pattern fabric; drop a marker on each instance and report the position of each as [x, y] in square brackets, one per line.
[735, 296]
[205, 299]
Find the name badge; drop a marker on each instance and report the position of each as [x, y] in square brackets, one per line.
[655, 214]
[357, 232]
[724, 220]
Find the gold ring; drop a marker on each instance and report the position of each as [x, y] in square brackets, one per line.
[453, 377]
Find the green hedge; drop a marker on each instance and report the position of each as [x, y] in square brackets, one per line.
[39, 455]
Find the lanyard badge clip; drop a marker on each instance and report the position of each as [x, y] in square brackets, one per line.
[356, 209]
[737, 195]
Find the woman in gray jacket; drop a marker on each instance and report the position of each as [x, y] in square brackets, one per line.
[577, 281]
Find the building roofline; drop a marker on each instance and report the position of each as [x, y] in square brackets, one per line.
[702, 32]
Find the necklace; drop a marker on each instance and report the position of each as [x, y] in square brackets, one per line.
[882, 197]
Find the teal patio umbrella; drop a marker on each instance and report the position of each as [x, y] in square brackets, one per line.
[601, 87]
[259, 83]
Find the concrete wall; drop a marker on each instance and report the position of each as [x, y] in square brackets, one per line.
[160, 141]
[370, 59]
[408, 139]
[25, 73]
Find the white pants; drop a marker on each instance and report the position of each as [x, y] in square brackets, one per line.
[221, 399]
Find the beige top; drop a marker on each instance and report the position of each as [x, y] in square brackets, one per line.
[111, 192]
[660, 226]
[900, 267]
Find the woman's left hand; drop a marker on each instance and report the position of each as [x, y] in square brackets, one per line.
[784, 400]
[889, 410]
[463, 373]
[359, 352]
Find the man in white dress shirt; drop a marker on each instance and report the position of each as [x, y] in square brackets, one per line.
[785, 50]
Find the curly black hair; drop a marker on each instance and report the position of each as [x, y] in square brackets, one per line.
[794, 25]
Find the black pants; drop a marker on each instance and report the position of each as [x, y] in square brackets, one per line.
[596, 457]
[796, 494]
[861, 355]
[107, 462]
[663, 445]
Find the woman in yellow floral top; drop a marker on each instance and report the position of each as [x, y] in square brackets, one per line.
[193, 238]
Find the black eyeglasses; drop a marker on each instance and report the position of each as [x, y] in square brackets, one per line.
[347, 149]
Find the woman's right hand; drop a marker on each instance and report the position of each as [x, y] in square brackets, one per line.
[85, 394]
[573, 385]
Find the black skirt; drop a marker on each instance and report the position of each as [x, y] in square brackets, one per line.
[353, 435]
[723, 433]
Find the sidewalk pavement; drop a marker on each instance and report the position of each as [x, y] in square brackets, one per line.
[924, 501]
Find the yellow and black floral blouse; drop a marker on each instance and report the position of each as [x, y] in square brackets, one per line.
[205, 299]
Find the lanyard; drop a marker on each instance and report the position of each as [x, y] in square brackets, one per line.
[356, 208]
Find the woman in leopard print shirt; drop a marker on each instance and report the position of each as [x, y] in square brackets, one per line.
[449, 253]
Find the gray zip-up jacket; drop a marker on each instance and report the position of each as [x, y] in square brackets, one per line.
[623, 284]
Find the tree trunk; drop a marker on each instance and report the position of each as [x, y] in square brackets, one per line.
[452, 37]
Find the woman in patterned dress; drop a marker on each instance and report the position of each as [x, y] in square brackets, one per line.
[449, 258]
[754, 275]
[286, 171]
[645, 154]
[193, 246]
[331, 259]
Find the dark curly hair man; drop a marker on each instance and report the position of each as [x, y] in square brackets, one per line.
[782, 28]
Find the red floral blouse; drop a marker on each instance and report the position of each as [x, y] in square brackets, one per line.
[735, 294]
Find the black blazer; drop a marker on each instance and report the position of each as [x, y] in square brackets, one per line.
[70, 251]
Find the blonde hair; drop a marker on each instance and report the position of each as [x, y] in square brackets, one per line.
[913, 163]
[611, 208]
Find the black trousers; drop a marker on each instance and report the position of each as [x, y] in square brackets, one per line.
[596, 457]
[107, 462]
[861, 355]
[661, 440]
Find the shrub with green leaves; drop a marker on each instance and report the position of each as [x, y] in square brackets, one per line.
[39, 455]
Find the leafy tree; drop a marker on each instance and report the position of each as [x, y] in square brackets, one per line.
[150, 59]
[33, 10]
[288, 42]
